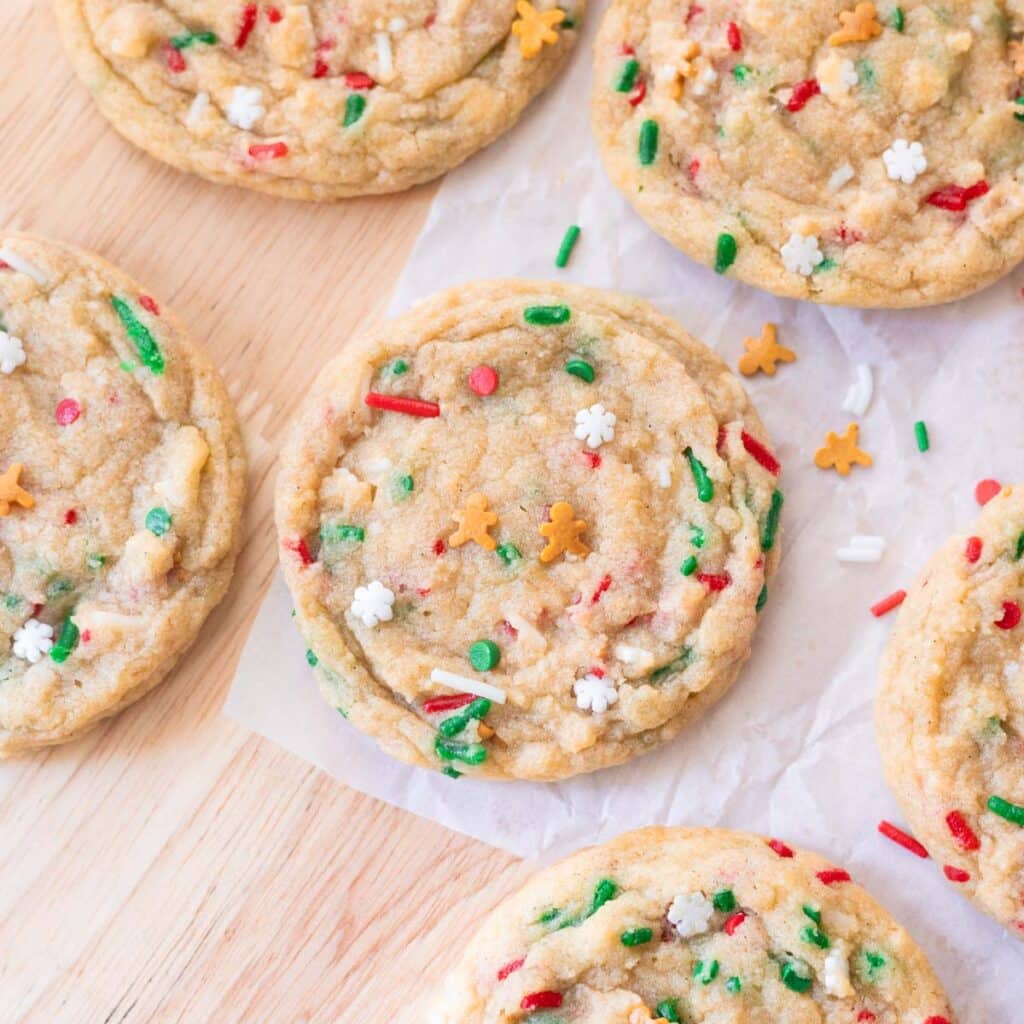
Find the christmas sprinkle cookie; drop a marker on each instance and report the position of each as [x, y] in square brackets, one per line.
[854, 153]
[317, 100]
[121, 487]
[528, 530]
[692, 925]
[950, 710]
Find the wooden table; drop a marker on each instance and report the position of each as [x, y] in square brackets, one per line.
[170, 866]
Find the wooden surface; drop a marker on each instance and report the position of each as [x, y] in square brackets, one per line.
[170, 866]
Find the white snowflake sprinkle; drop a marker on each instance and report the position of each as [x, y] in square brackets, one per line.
[33, 640]
[595, 425]
[837, 76]
[196, 110]
[841, 176]
[12, 353]
[690, 914]
[373, 604]
[837, 972]
[904, 161]
[801, 254]
[246, 107]
[594, 693]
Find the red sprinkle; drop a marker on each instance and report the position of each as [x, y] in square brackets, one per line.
[734, 36]
[274, 15]
[734, 922]
[760, 454]
[626, 50]
[693, 169]
[86, 636]
[320, 68]
[593, 458]
[397, 403]
[541, 1001]
[70, 517]
[509, 629]
[639, 91]
[439, 547]
[886, 605]
[973, 550]
[175, 60]
[68, 410]
[936, 1020]
[268, 150]
[359, 80]
[714, 581]
[693, 12]
[956, 197]
[866, 1015]
[483, 380]
[511, 968]
[986, 491]
[833, 876]
[148, 303]
[606, 582]
[962, 832]
[249, 14]
[956, 874]
[436, 705]
[803, 93]
[781, 848]
[300, 548]
[901, 838]
[1011, 615]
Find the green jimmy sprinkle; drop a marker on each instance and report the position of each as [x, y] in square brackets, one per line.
[569, 240]
[580, 368]
[676, 665]
[1019, 115]
[648, 148]
[725, 252]
[337, 533]
[627, 76]
[455, 724]
[875, 962]
[484, 655]
[921, 434]
[762, 598]
[1020, 548]
[95, 562]
[705, 488]
[604, 892]
[696, 536]
[705, 973]
[508, 553]
[812, 913]
[398, 367]
[1013, 813]
[742, 72]
[771, 522]
[311, 659]
[636, 936]
[815, 936]
[724, 901]
[467, 753]
[145, 344]
[689, 567]
[66, 642]
[158, 521]
[546, 316]
[355, 107]
[795, 975]
[898, 19]
[669, 1009]
[734, 985]
[58, 586]
[187, 39]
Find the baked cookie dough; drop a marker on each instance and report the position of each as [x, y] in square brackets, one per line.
[950, 710]
[838, 151]
[121, 488]
[527, 529]
[317, 100]
[694, 925]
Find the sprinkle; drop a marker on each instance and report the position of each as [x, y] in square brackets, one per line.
[955, 198]
[668, 1009]
[725, 252]
[962, 831]
[741, 72]
[398, 403]
[535, 29]
[689, 567]
[541, 1001]
[636, 937]
[801, 254]
[762, 598]
[509, 553]
[705, 973]
[833, 876]
[901, 838]
[664, 473]
[66, 642]
[972, 550]
[762, 354]
[466, 685]
[145, 344]
[195, 111]
[248, 23]
[32, 641]
[1013, 813]
[724, 901]
[898, 19]
[11, 493]
[955, 874]
[905, 161]
[781, 848]
[862, 549]
[484, 655]
[510, 968]
[580, 368]
[815, 936]
[385, 55]
[483, 380]
[68, 410]
[475, 520]
[1011, 615]
[301, 548]
[358, 80]
[841, 452]
[438, 705]
[148, 303]
[858, 26]
[803, 93]
[268, 150]
[627, 76]
[734, 922]
[986, 490]
[795, 975]
[714, 581]
[572, 235]
[887, 604]
[158, 521]
[648, 146]
[12, 353]
[274, 15]
[453, 750]
[921, 434]
[771, 522]
[636, 97]
[246, 107]
[704, 484]
[595, 693]
[595, 425]
[546, 316]
[476, 711]
[70, 517]
[22, 266]
[858, 398]
[338, 532]
[175, 61]
[760, 454]
[841, 176]
[355, 106]
[374, 604]
[734, 37]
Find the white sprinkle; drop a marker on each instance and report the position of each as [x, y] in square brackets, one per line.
[397, 25]
[22, 266]
[840, 176]
[858, 398]
[664, 473]
[690, 914]
[197, 109]
[837, 972]
[637, 656]
[465, 685]
[384, 57]
[862, 549]
[246, 107]
[378, 467]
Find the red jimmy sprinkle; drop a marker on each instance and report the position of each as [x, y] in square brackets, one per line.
[973, 550]
[300, 548]
[268, 150]
[887, 604]
[1011, 615]
[541, 1001]
[68, 410]
[961, 831]
[803, 93]
[359, 80]
[452, 702]
[249, 14]
[780, 848]
[955, 197]
[734, 922]
[148, 303]
[714, 581]
[760, 454]
[396, 403]
[175, 61]
[956, 874]
[833, 876]
[901, 838]
[510, 968]
[734, 37]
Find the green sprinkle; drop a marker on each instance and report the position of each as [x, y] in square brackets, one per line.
[762, 598]
[771, 522]
[898, 20]
[921, 433]
[546, 316]
[1013, 813]
[742, 72]
[1019, 115]
[636, 937]
[1020, 548]
[572, 236]
[452, 773]
[467, 753]
[696, 537]
[725, 253]
[455, 724]
[311, 659]
[95, 562]
[548, 916]
[398, 367]
[648, 148]
[580, 368]
[209, 38]
[127, 366]
[627, 76]
[875, 962]
[705, 973]
[676, 665]
[815, 936]
[355, 107]
[158, 521]
[826, 264]
[669, 1009]
[866, 73]
[689, 567]
[705, 488]
[814, 915]
[604, 892]
[337, 533]
[724, 900]
[795, 975]
[405, 484]
[509, 553]
[734, 985]
[184, 41]
[11, 602]
[58, 587]
[145, 343]
[66, 642]
[484, 655]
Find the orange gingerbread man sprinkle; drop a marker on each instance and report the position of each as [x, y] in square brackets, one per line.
[11, 493]
[535, 28]
[563, 533]
[840, 453]
[764, 353]
[859, 25]
[474, 522]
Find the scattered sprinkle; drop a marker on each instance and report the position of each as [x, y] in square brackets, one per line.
[901, 838]
[595, 426]
[887, 604]
[986, 490]
[474, 521]
[962, 832]
[571, 237]
[955, 874]
[801, 254]
[1013, 813]
[858, 26]
[861, 548]
[464, 684]
[373, 604]
[725, 252]
[905, 161]
[399, 403]
[858, 398]
[484, 655]
[355, 107]
[955, 198]
[483, 380]
[704, 484]
[840, 452]
[921, 435]
[648, 146]
[145, 344]
[536, 29]
[562, 532]
[546, 316]
[580, 368]
[764, 353]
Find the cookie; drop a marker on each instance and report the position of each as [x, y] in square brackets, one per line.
[694, 925]
[527, 529]
[840, 151]
[950, 710]
[317, 100]
[121, 488]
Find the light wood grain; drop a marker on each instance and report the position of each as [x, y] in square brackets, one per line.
[170, 866]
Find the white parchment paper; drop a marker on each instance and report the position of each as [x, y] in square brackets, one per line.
[790, 751]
